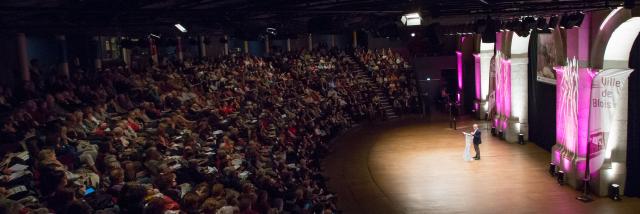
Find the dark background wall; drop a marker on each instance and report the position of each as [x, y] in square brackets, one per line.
[431, 67]
[45, 49]
[8, 60]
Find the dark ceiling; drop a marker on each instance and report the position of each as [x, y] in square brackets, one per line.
[249, 16]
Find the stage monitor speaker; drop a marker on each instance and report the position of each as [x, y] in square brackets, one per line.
[629, 4]
[489, 37]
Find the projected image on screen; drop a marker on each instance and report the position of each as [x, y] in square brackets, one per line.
[547, 56]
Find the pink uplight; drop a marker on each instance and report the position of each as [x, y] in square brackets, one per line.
[503, 91]
[584, 98]
[459, 55]
[572, 111]
[478, 76]
[506, 67]
[566, 164]
[557, 157]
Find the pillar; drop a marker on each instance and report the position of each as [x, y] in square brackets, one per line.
[486, 53]
[355, 39]
[126, 55]
[226, 45]
[310, 40]
[246, 46]
[179, 53]
[98, 50]
[153, 51]
[333, 40]
[518, 120]
[288, 45]
[23, 57]
[203, 47]
[63, 61]
[266, 44]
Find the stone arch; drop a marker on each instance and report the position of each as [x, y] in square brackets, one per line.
[618, 48]
[606, 29]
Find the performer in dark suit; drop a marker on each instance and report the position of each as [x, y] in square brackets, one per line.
[477, 140]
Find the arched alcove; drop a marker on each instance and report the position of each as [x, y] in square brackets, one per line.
[486, 52]
[621, 31]
[615, 18]
[618, 48]
[482, 68]
[519, 61]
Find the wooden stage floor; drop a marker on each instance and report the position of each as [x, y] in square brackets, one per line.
[414, 166]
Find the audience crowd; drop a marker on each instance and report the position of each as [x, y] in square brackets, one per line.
[234, 134]
[391, 71]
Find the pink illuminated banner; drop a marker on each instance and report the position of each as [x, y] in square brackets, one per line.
[606, 96]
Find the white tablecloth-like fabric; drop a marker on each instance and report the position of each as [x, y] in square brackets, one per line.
[466, 156]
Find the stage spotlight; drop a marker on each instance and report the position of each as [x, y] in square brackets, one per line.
[511, 25]
[181, 28]
[271, 31]
[500, 25]
[428, 79]
[489, 35]
[553, 22]
[521, 139]
[542, 24]
[579, 17]
[564, 22]
[614, 192]
[529, 23]
[523, 31]
[480, 26]
[411, 19]
[552, 169]
[413, 34]
[560, 178]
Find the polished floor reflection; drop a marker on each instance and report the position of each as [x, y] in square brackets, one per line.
[414, 166]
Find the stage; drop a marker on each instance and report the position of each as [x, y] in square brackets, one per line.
[414, 166]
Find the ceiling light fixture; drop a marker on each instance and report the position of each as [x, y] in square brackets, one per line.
[553, 22]
[411, 19]
[180, 28]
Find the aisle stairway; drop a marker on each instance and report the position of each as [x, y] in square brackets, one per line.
[363, 75]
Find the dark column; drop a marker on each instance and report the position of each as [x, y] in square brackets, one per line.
[23, 57]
